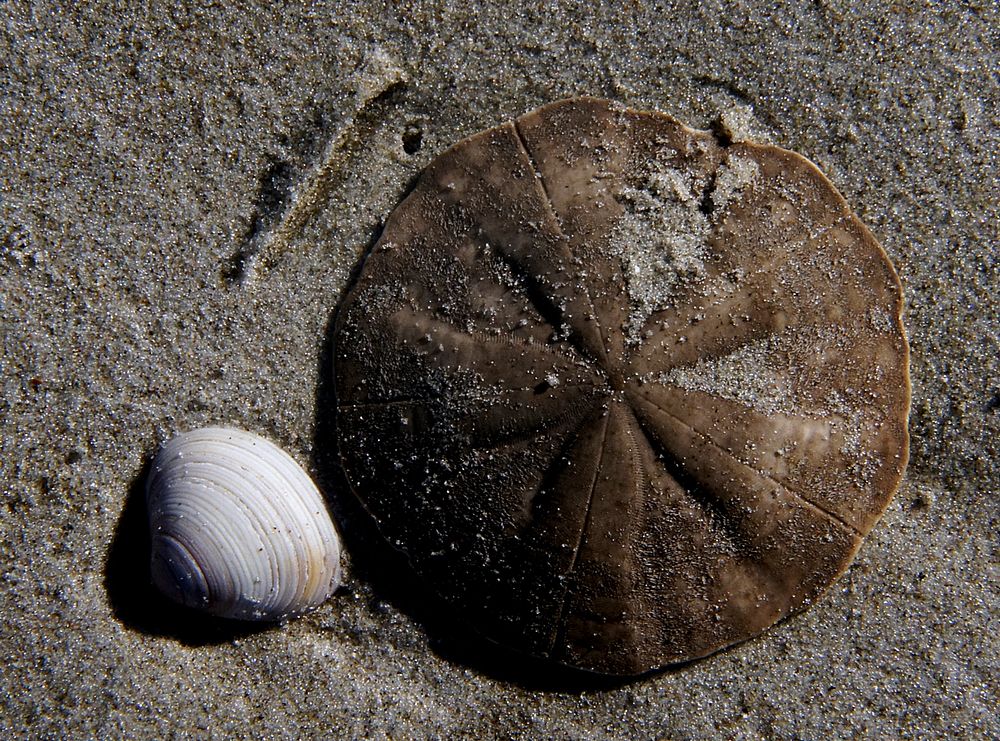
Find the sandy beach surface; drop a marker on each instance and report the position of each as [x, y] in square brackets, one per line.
[145, 156]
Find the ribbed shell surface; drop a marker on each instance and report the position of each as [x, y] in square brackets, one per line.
[238, 528]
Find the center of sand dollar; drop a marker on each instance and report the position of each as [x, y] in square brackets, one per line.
[616, 381]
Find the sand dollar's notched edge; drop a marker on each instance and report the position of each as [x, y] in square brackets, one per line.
[623, 395]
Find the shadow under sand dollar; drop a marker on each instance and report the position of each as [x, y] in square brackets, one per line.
[136, 603]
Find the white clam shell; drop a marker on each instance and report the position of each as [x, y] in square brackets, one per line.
[238, 528]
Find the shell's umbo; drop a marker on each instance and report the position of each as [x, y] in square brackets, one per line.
[623, 394]
[238, 528]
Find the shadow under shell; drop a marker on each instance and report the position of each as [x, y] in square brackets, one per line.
[622, 395]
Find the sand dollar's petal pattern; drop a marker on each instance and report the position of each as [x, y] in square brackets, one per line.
[623, 394]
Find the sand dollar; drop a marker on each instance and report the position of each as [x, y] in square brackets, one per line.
[623, 394]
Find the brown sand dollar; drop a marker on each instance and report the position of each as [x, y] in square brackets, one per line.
[624, 395]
